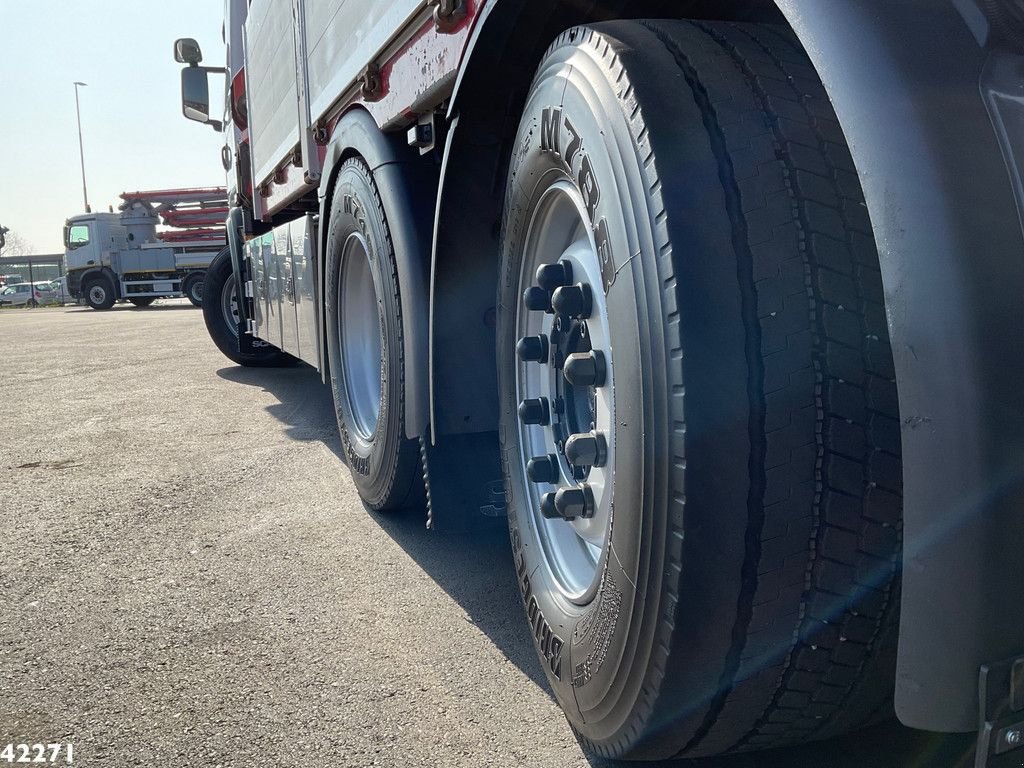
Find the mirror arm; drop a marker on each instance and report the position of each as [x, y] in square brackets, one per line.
[214, 70]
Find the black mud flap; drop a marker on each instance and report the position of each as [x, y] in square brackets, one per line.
[460, 474]
[249, 344]
[1001, 693]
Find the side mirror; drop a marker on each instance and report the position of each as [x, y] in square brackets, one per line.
[187, 51]
[195, 96]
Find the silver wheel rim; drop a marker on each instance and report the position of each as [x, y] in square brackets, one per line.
[572, 550]
[196, 291]
[359, 335]
[97, 294]
[229, 306]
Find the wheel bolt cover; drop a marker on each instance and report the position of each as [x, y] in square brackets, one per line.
[535, 412]
[571, 503]
[587, 450]
[543, 469]
[547, 506]
[586, 369]
[551, 276]
[537, 299]
[573, 301]
[533, 349]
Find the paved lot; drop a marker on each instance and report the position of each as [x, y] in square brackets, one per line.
[188, 578]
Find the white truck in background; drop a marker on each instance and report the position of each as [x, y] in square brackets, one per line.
[122, 256]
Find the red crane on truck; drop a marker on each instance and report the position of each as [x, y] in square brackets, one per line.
[726, 292]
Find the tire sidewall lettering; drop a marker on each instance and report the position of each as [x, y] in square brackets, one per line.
[557, 129]
[352, 217]
[588, 640]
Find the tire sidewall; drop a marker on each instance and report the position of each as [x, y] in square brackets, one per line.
[599, 644]
[355, 210]
[218, 277]
[189, 289]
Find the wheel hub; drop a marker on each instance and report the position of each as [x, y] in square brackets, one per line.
[359, 332]
[229, 305]
[564, 375]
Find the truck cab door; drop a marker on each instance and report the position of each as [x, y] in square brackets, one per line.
[81, 247]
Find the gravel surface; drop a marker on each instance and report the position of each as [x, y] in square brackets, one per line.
[189, 579]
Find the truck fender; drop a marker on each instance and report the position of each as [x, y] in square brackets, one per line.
[406, 183]
[908, 83]
[105, 272]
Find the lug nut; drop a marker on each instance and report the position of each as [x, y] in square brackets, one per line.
[551, 276]
[571, 503]
[587, 450]
[543, 469]
[573, 300]
[533, 349]
[585, 369]
[535, 412]
[537, 299]
[547, 506]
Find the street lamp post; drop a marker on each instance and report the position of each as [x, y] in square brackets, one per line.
[81, 152]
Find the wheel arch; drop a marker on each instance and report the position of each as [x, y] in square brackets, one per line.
[507, 44]
[406, 182]
[907, 106]
[102, 271]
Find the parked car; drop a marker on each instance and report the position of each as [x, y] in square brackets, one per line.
[8, 280]
[60, 290]
[28, 294]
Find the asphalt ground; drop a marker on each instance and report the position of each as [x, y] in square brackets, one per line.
[188, 578]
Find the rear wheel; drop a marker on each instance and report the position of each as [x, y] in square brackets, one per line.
[192, 287]
[698, 408]
[222, 317]
[143, 301]
[365, 345]
[99, 292]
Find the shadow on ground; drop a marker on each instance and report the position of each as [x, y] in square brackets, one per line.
[129, 308]
[472, 563]
[475, 569]
[304, 406]
[884, 746]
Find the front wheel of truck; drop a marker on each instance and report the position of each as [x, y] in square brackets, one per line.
[99, 292]
[221, 317]
[698, 407]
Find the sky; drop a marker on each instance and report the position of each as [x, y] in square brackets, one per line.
[133, 132]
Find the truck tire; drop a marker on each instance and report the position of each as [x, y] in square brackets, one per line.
[192, 287]
[365, 346]
[221, 318]
[142, 301]
[99, 292]
[698, 407]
